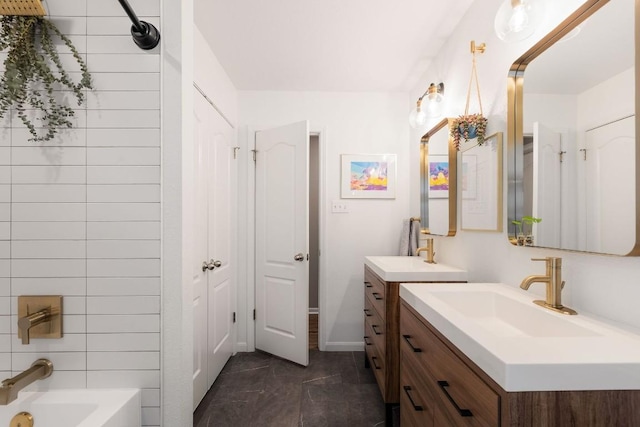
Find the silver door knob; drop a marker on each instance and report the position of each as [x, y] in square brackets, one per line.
[210, 265]
[298, 257]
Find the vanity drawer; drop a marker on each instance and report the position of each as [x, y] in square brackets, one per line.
[374, 290]
[376, 362]
[465, 399]
[416, 402]
[375, 328]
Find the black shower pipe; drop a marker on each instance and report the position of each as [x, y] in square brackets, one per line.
[144, 34]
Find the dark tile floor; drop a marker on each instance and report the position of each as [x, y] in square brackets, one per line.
[257, 389]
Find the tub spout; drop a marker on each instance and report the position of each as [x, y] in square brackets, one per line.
[40, 369]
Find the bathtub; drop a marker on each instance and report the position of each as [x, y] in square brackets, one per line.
[77, 408]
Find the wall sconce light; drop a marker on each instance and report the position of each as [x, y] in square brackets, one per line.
[428, 105]
[518, 19]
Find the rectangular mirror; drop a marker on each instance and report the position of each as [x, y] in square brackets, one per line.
[438, 181]
[572, 158]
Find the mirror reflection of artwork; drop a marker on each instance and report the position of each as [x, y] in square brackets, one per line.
[438, 177]
[368, 176]
[481, 207]
[371, 176]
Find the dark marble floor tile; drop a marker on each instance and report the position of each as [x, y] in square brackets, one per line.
[245, 380]
[243, 361]
[259, 390]
[325, 414]
[367, 414]
[232, 410]
[365, 375]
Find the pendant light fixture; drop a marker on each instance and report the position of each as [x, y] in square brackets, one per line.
[428, 105]
[518, 19]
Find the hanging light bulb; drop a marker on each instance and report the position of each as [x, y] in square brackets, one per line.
[518, 19]
[428, 105]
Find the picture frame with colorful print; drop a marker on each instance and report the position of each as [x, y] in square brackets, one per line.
[368, 176]
[438, 176]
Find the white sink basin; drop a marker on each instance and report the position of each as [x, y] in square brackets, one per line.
[506, 317]
[412, 268]
[525, 347]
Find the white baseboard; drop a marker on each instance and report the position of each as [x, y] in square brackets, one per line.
[344, 346]
[241, 347]
[314, 310]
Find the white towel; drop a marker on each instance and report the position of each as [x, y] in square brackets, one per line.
[414, 236]
[405, 248]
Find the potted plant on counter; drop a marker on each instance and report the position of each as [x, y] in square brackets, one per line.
[524, 236]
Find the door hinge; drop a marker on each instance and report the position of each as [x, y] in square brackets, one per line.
[234, 317]
[254, 314]
[235, 152]
[254, 154]
[584, 153]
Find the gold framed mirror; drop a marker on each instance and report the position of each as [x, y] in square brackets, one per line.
[571, 139]
[438, 181]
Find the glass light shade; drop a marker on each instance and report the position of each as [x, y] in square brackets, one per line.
[418, 116]
[518, 19]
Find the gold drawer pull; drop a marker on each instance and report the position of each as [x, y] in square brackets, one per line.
[377, 296]
[375, 330]
[415, 349]
[407, 389]
[368, 285]
[365, 340]
[367, 312]
[463, 412]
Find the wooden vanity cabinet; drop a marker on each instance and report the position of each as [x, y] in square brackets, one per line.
[447, 389]
[382, 334]
[381, 317]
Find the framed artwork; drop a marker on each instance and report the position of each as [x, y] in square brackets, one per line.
[469, 176]
[438, 176]
[368, 176]
[481, 207]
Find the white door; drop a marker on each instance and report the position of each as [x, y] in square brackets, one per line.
[282, 234]
[547, 185]
[213, 256]
[610, 187]
[199, 254]
[221, 229]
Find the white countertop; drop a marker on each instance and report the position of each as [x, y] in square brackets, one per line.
[526, 347]
[413, 268]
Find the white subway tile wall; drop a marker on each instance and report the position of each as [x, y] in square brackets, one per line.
[80, 216]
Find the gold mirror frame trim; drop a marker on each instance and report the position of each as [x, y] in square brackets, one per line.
[515, 133]
[453, 175]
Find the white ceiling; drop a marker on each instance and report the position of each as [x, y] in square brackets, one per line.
[327, 45]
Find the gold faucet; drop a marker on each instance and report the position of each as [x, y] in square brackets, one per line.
[554, 282]
[429, 250]
[40, 369]
[27, 322]
[39, 316]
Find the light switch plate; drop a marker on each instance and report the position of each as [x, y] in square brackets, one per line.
[339, 206]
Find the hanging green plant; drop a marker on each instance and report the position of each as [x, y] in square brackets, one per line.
[34, 72]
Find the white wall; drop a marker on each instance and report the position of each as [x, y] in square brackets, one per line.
[81, 216]
[603, 285]
[350, 123]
